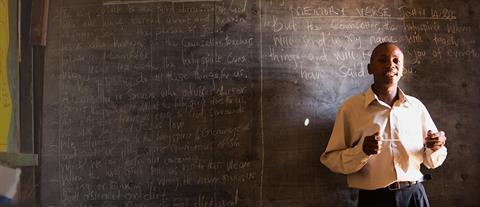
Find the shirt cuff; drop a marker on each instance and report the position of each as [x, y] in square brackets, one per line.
[436, 158]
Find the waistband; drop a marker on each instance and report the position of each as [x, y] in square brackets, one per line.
[405, 184]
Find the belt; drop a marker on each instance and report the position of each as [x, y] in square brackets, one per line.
[401, 184]
[405, 184]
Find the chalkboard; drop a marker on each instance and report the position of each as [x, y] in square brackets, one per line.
[231, 103]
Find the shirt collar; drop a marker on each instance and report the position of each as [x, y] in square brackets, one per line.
[370, 96]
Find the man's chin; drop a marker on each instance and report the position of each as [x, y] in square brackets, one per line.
[392, 81]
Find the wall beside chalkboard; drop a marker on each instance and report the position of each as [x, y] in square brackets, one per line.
[231, 103]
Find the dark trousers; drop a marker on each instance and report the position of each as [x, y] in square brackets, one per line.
[412, 196]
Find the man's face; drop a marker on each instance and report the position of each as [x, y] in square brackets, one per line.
[386, 65]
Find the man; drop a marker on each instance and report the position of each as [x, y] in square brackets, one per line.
[381, 137]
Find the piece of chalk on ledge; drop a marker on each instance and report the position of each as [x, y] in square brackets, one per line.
[307, 121]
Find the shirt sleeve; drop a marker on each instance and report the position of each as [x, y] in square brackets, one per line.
[431, 159]
[434, 159]
[339, 156]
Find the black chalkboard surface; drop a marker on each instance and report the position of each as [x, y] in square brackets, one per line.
[231, 103]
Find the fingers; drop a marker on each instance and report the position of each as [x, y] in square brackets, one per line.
[435, 140]
[373, 147]
[434, 145]
[431, 134]
[437, 136]
[372, 144]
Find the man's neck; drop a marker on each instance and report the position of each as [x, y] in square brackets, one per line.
[388, 94]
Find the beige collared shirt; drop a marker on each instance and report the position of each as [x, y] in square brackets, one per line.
[364, 114]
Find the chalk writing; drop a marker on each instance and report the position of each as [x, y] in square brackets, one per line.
[149, 79]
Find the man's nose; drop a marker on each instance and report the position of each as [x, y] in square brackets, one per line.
[390, 63]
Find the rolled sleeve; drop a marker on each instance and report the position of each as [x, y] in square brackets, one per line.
[346, 160]
[434, 159]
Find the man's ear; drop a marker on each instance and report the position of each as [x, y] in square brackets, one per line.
[368, 69]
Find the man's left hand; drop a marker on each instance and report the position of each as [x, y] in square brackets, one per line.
[436, 140]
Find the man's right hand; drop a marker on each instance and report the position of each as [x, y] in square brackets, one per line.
[372, 144]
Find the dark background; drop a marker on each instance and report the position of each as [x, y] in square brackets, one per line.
[204, 103]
